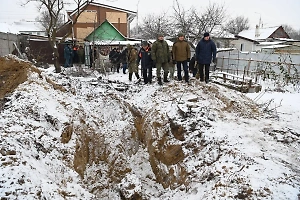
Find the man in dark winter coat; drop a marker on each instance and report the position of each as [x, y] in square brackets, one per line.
[112, 53]
[123, 60]
[81, 57]
[181, 55]
[193, 66]
[68, 55]
[205, 54]
[114, 59]
[144, 56]
[161, 57]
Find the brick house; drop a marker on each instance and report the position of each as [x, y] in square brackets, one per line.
[94, 15]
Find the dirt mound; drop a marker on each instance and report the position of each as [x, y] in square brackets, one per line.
[13, 72]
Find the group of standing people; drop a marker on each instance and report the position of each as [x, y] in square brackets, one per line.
[127, 58]
[180, 55]
[159, 55]
[73, 54]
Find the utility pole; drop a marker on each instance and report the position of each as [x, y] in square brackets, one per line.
[260, 25]
[137, 16]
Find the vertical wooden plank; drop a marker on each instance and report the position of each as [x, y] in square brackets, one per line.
[224, 78]
[9, 50]
[222, 66]
[248, 67]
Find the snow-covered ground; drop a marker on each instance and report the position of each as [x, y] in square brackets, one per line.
[67, 137]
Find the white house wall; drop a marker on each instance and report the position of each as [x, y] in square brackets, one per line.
[247, 45]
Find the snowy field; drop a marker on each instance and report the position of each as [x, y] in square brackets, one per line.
[103, 137]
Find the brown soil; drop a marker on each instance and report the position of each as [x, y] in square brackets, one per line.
[13, 72]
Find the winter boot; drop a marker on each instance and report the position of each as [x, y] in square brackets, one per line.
[137, 75]
[159, 80]
[166, 80]
[166, 77]
[130, 76]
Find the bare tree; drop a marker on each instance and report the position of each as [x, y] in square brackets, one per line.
[154, 24]
[182, 19]
[236, 25]
[45, 19]
[54, 9]
[194, 24]
[294, 34]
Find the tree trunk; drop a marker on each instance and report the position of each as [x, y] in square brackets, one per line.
[56, 61]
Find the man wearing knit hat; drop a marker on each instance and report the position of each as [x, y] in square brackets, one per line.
[181, 56]
[206, 34]
[205, 54]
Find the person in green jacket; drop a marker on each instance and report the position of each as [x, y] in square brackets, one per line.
[80, 53]
[131, 62]
[161, 57]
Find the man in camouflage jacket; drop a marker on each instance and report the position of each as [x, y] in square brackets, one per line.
[131, 62]
[161, 57]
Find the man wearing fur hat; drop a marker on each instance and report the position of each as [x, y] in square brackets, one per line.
[161, 57]
[181, 56]
[205, 54]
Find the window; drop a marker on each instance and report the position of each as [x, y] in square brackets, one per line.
[88, 16]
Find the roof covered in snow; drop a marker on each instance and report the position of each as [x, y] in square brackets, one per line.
[264, 33]
[8, 28]
[271, 43]
[113, 43]
[276, 46]
[18, 27]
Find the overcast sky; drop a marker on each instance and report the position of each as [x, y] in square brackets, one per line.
[272, 12]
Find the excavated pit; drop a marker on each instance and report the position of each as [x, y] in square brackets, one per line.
[162, 136]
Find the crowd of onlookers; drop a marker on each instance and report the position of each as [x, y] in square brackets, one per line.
[73, 54]
[156, 55]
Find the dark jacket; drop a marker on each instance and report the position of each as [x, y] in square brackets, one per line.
[205, 51]
[192, 63]
[145, 57]
[114, 56]
[68, 52]
[123, 56]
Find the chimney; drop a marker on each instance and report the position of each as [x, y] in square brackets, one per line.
[257, 34]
